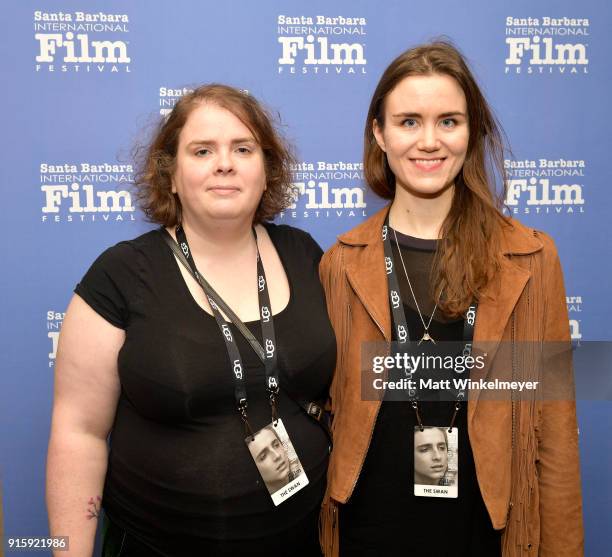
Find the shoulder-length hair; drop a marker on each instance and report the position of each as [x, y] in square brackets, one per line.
[156, 162]
[468, 255]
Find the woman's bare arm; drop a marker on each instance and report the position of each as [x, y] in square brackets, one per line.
[85, 400]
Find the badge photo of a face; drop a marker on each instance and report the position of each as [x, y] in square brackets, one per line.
[436, 462]
[277, 462]
[430, 455]
[271, 458]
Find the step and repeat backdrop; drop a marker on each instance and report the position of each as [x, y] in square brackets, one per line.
[85, 81]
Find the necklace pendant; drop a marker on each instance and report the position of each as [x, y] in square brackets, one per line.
[426, 337]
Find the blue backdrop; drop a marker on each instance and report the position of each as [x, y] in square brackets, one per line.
[84, 80]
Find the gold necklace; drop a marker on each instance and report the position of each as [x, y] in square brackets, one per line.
[426, 336]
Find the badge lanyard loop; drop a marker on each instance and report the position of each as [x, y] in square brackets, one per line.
[267, 330]
[401, 328]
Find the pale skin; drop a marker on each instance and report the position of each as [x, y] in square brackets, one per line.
[220, 181]
[85, 399]
[425, 136]
[220, 178]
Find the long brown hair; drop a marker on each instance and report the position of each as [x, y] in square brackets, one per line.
[156, 161]
[468, 255]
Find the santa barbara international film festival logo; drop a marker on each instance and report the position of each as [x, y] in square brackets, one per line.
[54, 320]
[321, 45]
[327, 190]
[574, 307]
[547, 45]
[81, 42]
[545, 187]
[86, 192]
[169, 96]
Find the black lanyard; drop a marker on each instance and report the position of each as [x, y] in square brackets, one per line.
[267, 331]
[401, 328]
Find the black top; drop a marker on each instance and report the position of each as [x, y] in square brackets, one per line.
[403, 524]
[179, 470]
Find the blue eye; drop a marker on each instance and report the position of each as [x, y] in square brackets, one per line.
[448, 122]
[409, 123]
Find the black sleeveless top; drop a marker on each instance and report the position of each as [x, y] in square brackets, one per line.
[179, 470]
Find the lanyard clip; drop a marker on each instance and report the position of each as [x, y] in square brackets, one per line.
[457, 408]
[242, 408]
[415, 407]
[273, 394]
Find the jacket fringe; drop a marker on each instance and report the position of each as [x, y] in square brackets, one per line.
[328, 528]
[535, 524]
[524, 456]
[516, 537]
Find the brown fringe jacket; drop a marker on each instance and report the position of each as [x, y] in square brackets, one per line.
[525, 451]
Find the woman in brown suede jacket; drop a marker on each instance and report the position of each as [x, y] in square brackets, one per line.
[433, 147]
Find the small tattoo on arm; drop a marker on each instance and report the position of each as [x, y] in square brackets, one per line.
[93, 507]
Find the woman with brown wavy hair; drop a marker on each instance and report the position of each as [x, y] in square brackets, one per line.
[439, 265]
[185, 342]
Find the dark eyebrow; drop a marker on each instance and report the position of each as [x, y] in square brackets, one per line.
[212, 142]
[449, 114]
[417, 115]
[244, 140]
[405, 115]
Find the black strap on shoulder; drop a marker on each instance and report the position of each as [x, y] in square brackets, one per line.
[314, 409]
[218, 300]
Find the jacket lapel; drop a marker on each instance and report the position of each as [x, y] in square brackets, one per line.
[498, 301]
[366, 271]
[366, 277]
